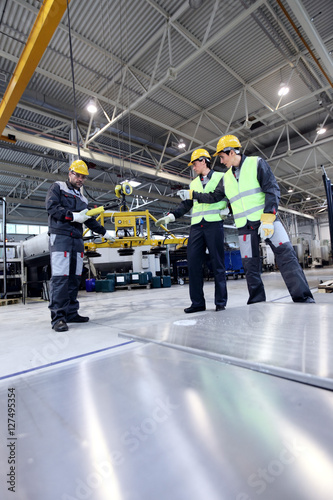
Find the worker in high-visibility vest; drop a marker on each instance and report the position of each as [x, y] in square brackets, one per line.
[254, 195]
[67, 208]
[206, 233]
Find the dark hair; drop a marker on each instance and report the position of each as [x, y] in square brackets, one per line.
[207, 160]
[237, 151]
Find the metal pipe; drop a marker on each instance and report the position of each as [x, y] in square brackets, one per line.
[318, 46]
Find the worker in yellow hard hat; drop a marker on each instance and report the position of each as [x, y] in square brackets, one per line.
[206, 232]
[254, 195]
[67, 207]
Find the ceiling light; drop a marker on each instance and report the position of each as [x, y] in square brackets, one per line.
[308, 198]
[181, 144]
[290, 190]
[321, 130]
[92, 108]
[283, 89]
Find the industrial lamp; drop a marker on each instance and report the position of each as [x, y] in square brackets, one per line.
[91, 107]
[283, 89]
[321, 130]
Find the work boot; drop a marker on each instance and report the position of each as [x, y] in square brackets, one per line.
[309, 300]
[219, 308]
[193, 309]
[78, 319]
[60, 326]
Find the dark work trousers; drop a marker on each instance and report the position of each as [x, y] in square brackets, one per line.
[66, 269]
[286, 259]
[202, 236]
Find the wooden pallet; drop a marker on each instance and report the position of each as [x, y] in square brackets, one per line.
[326, 287]
[6, 302]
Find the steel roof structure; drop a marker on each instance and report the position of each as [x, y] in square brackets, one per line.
[160, 71]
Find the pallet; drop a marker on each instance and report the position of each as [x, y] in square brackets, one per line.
[132, 285]
[6, 302]
[326, 287]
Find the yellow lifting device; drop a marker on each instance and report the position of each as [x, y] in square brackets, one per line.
[127, 228]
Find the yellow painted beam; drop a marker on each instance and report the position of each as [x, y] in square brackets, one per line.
[48, 18]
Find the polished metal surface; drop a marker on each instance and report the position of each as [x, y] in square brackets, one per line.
[294, 341]
[156, 423]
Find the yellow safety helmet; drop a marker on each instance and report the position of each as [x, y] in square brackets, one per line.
[227, 142]
[80, 167]
[199, 153]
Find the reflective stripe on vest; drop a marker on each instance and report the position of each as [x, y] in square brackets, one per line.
[245, 195]
[210, 212]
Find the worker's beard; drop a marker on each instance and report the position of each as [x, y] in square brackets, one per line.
[76, 183]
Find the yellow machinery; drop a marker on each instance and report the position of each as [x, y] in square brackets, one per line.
[126, 227]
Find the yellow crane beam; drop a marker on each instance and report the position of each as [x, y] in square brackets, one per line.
[47, 20]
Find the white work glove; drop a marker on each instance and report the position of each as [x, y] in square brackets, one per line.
[81, 217]
[224, 213]
[185, 194]
[165, 220]
[109, 237]
[266, 228]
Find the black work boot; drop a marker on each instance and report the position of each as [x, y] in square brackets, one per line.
[193, 309]
[60, 326]
[78, 319]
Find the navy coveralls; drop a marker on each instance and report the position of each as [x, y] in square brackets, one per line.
[205, 235]
[66, 248]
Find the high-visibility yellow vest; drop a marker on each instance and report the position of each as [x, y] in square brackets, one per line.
[210, 212]
[245, 195]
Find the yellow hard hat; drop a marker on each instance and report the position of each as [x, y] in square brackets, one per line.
[198, 153]
[80, 167]
[227, 141]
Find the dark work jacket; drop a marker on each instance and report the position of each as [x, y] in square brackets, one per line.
[61, 202]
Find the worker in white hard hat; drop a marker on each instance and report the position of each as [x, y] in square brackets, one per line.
[206, 233]
[254, 195]
[67, 208]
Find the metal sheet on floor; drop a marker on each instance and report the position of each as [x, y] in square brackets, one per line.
[290, 340]
[156, 422]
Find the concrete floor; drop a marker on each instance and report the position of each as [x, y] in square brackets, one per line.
[28, 341]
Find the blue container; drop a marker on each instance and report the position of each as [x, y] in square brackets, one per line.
[166, 281]
[104, 286]
[134, 277]
[156, 282]
[143, 279]
[90, 285]
[122, 279]
[236, 260]
[111, 276]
